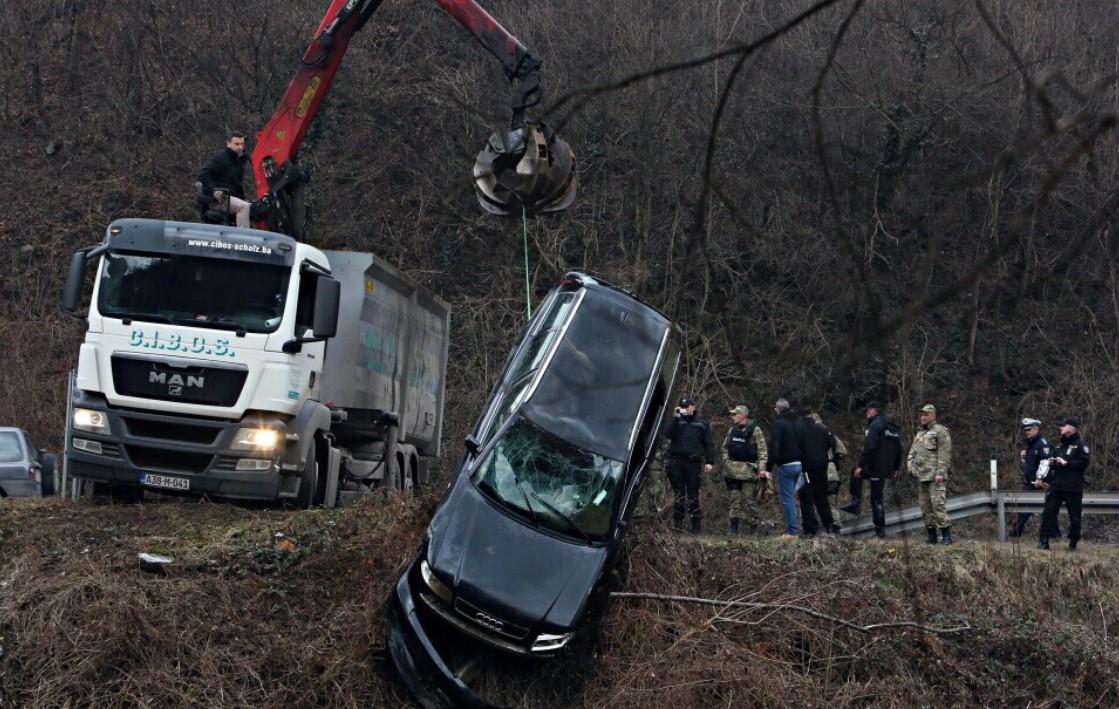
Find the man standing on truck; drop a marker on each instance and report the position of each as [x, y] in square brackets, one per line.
[223, 177]
[689, 451]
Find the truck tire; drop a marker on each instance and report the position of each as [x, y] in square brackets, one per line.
[309, 479]
[47, 487]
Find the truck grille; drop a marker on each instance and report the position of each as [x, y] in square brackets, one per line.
[163, 459]
[188, 382]
[145, 428]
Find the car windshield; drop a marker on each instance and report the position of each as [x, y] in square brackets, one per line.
[10, 452]
[190, 290]
[560, 486]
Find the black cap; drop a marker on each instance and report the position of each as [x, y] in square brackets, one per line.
[873, 404]
[686, 402]
[1070, 421]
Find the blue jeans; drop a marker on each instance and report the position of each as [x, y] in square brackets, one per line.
[787, 476]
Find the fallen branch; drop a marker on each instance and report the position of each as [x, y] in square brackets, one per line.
[792, 607]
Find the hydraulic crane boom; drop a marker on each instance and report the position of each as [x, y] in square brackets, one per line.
[541, 179]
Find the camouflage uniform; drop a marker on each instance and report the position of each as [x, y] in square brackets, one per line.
[744, 497]
[835, 459]
[930, 456]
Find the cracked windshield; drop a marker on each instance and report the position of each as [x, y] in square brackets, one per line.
[187, 290]
[560, 486]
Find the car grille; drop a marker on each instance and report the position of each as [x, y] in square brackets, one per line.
[489, 621]
[163, 459]
[146, 428]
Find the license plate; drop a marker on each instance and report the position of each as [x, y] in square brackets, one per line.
[171, 483]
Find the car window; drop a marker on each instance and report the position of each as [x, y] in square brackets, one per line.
[32, 449]
[560, 486]
[10, 450]
[534, 351]
[592, 390]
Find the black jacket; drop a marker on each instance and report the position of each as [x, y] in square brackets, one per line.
[224, 170]
[689, 439]
[881, 448]
[785, 441]
[1037, 450]
[816, 441]
[1069, 477]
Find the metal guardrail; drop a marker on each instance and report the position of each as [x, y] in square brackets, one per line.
[1002, 502]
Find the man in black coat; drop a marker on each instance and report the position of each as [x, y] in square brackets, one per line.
[786, 450]
[817, 443]
[1064, 483]
[880, 461]
[223, 177]
[689, 451]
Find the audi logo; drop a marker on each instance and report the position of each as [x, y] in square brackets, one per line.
[488, 620]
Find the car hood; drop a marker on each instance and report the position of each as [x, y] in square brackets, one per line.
[507, 567]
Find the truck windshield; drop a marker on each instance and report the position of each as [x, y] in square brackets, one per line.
[191, 290]
[558, 485]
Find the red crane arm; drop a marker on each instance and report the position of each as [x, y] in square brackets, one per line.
[280, 181]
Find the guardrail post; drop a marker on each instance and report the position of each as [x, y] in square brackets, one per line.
[996, 497]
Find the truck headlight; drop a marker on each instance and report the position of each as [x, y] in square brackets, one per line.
[546, 642]
[91, 421]
[437, 587]
[256, 439]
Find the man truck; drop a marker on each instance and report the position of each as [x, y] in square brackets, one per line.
[214, 364]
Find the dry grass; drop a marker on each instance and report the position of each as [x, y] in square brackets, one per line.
[238, 621]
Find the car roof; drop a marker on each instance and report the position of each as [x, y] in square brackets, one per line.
[592, 391]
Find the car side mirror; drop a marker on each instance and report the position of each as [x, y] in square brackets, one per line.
[472, 444]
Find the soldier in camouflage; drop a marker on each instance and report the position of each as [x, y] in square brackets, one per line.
[929, 459]
[744, 457]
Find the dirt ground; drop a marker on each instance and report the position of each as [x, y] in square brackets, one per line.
[269, 608]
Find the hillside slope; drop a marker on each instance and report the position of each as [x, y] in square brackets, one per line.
[244, 618]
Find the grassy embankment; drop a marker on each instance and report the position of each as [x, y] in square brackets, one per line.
[244, 618]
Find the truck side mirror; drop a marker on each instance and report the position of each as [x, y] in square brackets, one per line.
[75, 277]
[328, 292]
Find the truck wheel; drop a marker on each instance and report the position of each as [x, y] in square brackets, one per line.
[47, 487]
[308, 479]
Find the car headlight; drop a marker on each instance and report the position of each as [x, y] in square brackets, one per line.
[546, 642]
[92, 421]
[256, 439]
[437, 587]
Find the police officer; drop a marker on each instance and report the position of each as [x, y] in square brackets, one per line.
[880, 460]
[1065, 483]
[744, 458]
[689, 452]
[1036, 449]
[930, 456]
[836, 455]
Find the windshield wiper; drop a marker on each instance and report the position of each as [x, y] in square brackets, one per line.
[528, 505]
[219, 323]
[570, 523]
[149, 317]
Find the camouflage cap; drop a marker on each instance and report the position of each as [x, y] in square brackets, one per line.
[740, 409]
[928, 409]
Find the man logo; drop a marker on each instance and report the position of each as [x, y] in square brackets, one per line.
[176, 382]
